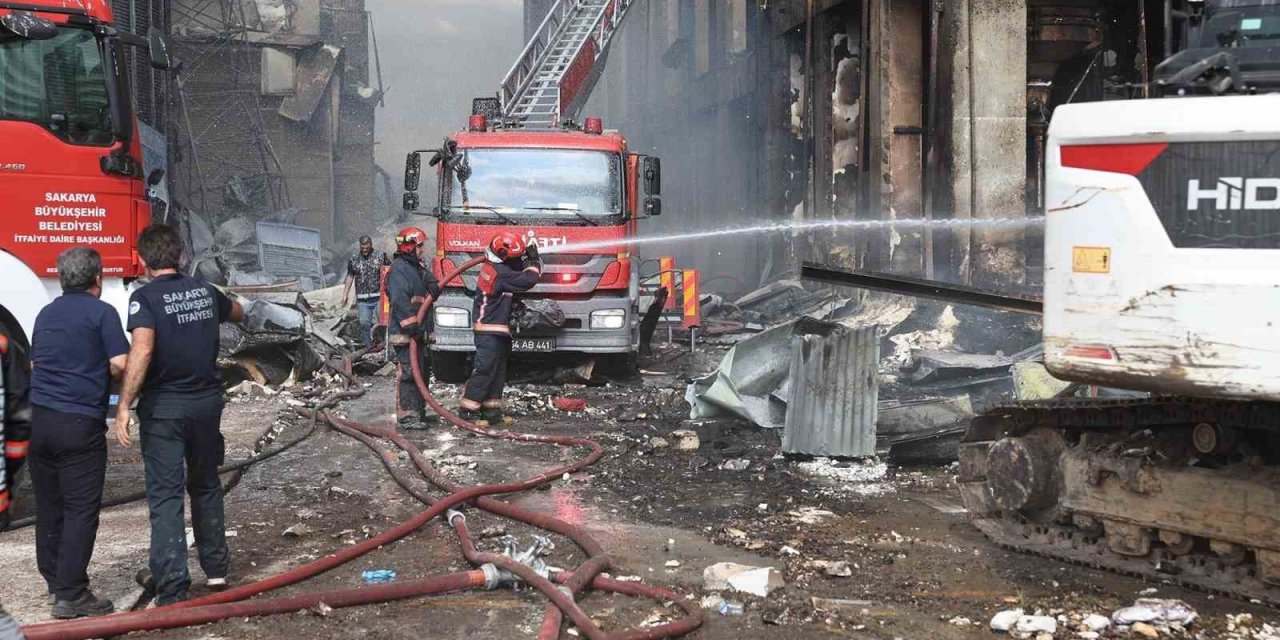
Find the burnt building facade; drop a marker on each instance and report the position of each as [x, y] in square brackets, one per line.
[271, 114]
[852, 112]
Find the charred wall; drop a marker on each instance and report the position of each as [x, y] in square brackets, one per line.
[274, 116]
[864, 110]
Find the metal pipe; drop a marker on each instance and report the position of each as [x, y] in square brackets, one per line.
[810, 84]
[903, 285]
[1142, 48]
[929, 161]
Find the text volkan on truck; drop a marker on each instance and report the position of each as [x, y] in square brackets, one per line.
[71, 170]
[557, 187]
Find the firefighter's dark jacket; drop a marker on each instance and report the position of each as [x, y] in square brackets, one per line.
[15, 430]
[407, 286]
[496, 286]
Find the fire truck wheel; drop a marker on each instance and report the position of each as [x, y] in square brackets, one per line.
[450, 366]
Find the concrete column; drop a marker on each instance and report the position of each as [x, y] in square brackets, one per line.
[988, 138]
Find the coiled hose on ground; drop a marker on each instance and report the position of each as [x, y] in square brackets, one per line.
[233, 602]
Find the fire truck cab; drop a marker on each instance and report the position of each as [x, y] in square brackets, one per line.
[71, 172]
[575, 191]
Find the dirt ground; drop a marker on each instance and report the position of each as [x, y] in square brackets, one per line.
[917, 569]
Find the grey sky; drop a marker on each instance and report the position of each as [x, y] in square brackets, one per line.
[436, 56]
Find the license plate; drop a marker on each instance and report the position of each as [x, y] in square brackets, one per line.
[533, 345]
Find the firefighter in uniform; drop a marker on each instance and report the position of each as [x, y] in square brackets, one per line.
[408, 285]
[513, 267]
[15, 434]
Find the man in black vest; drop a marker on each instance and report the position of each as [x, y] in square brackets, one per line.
[408, 285]
[172, 363]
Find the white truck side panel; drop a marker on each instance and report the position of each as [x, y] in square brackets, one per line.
[1194, 321]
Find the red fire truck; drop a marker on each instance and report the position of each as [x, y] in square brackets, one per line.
[70, 160]
[557, 187]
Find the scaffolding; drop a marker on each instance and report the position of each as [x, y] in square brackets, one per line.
[223, 157]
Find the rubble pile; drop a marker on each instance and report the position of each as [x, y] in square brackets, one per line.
[277, 345]
[1146, 618]
[931, 382]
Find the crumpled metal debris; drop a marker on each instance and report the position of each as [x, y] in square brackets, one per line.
[756, 379]
[748, 381]
[274, 344]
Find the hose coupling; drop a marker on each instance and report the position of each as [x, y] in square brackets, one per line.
[492, 578]
[454, 513]
[495, 577]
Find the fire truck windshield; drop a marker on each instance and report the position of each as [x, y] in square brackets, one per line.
[541, 183]
[1241, 24]
[59, 84]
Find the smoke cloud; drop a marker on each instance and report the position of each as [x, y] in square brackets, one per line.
[436, 56]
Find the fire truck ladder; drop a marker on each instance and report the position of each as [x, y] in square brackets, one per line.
[554, 73]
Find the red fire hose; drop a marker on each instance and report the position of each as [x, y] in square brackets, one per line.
[173, 617]
[227, 604]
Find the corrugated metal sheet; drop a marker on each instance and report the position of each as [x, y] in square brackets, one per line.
[288, 251]
[832, 405]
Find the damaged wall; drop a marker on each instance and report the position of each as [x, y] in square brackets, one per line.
[867, 110]
[293, 139]
[984, 56]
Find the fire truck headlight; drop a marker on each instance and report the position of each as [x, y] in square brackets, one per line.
[453, 317]
[608, 319]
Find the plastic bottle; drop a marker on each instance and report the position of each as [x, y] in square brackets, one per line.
[728, 608]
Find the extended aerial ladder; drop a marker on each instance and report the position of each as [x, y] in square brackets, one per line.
[554, 74]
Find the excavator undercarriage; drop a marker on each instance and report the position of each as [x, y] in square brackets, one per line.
[1167, 488]
[1175, 489]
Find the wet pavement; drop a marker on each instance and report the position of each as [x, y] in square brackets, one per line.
[917, 568]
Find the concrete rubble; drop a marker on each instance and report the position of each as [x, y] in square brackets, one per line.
[285, 338]
[1157, 612]
[757, 581]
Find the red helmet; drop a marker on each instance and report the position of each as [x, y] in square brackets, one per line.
[505, 246]
[410, 238]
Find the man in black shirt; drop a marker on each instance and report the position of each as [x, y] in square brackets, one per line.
[174, 321]
[77, 347]
[364, 273]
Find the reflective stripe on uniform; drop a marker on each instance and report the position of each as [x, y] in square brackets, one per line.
[492, 404]
[484, 327]
[15, 449]
[469, 404]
